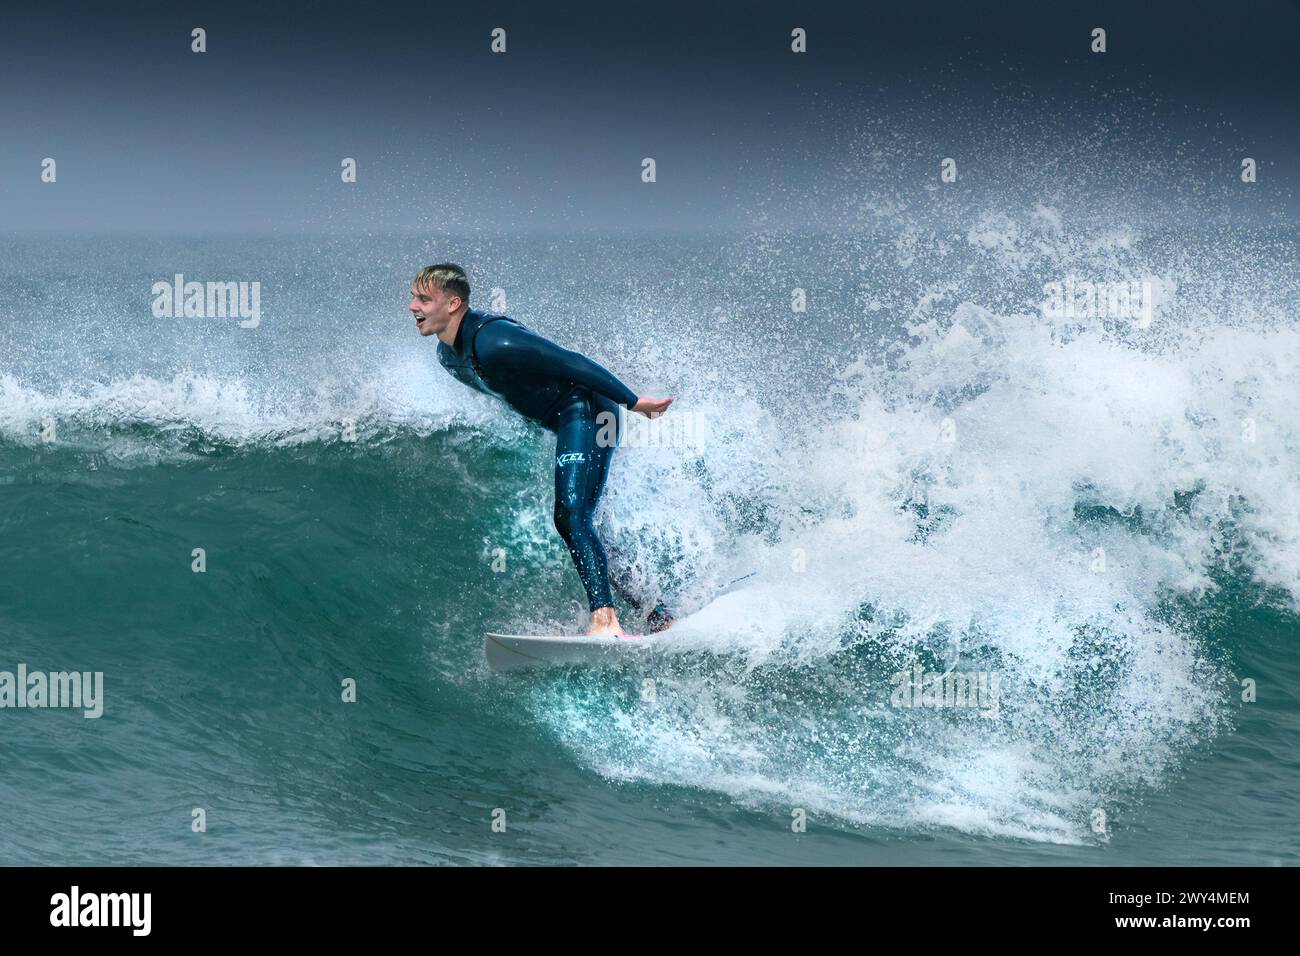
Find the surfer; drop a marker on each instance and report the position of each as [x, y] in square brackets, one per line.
[564, 392]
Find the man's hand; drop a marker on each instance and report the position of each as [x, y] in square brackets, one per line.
[651, 407]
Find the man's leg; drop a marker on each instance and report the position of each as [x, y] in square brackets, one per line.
[580, 469]
[608, 435]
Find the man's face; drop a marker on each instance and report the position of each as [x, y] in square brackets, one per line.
[433, 309]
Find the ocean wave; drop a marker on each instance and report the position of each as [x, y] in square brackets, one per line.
[194, 409]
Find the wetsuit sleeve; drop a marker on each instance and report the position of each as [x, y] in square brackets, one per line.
[505, 346]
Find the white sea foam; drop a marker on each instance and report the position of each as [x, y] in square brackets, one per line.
[234, 409]
[1010, 489]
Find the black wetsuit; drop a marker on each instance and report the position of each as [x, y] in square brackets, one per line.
[565, 393]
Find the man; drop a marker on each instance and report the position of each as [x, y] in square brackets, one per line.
[564, 392]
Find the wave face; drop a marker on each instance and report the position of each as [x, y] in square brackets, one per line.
[923, 468]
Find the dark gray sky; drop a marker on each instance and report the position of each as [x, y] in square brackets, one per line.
[247, 138]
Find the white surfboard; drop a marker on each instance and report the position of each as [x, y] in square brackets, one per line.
[505, 652]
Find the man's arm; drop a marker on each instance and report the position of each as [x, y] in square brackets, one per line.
[506, 346]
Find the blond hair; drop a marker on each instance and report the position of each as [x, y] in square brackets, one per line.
[446, 276]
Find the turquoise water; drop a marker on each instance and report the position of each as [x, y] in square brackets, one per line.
[878, 542]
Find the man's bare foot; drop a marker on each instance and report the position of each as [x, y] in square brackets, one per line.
[604, 622]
